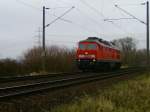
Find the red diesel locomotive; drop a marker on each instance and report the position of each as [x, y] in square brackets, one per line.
[95, 53]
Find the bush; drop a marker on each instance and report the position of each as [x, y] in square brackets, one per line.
[57, 59]
[9, 67]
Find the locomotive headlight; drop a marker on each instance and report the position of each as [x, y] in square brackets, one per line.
[92, 56]
[94, 60]
[87, 56]
[81, 56]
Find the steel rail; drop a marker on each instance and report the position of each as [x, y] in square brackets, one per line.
[42, 79]
[59, 80]
[34, 77]
[60, 83]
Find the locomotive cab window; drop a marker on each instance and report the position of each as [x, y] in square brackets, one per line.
[91, 46]
[82, 46]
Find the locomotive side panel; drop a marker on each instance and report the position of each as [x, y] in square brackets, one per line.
[100, 52]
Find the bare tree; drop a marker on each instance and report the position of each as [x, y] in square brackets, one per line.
[57, 59]
[128, 50]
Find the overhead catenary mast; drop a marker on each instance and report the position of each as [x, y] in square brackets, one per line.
[146, 23]
[43, 40]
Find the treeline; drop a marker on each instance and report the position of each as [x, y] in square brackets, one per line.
[131, 56]
[57, 60]
[9, 67]
[61, 59]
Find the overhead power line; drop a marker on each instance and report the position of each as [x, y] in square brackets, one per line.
[101, 14]
[129, 4]
[60, 16]
[63, 19]
[28, 5]
[90, 18]
[38, 9]
[117, 19]
[129, 14]
[93, 8]
[55, 8]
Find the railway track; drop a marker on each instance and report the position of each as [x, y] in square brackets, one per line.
[59, 82]
[48, 76]
[34, 77]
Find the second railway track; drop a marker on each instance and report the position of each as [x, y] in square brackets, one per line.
[61, 82]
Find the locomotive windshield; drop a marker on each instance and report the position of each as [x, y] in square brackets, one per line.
[87, 46]
[82, 46]
[91, 46]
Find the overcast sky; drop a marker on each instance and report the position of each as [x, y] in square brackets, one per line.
[21, 19]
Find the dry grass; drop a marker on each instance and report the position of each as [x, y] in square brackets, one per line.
[128, 96]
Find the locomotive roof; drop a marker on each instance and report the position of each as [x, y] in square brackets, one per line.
[100, 41]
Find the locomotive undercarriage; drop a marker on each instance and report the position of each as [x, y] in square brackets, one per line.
[100, 65]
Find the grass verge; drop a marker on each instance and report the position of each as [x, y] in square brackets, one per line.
[128, 96]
